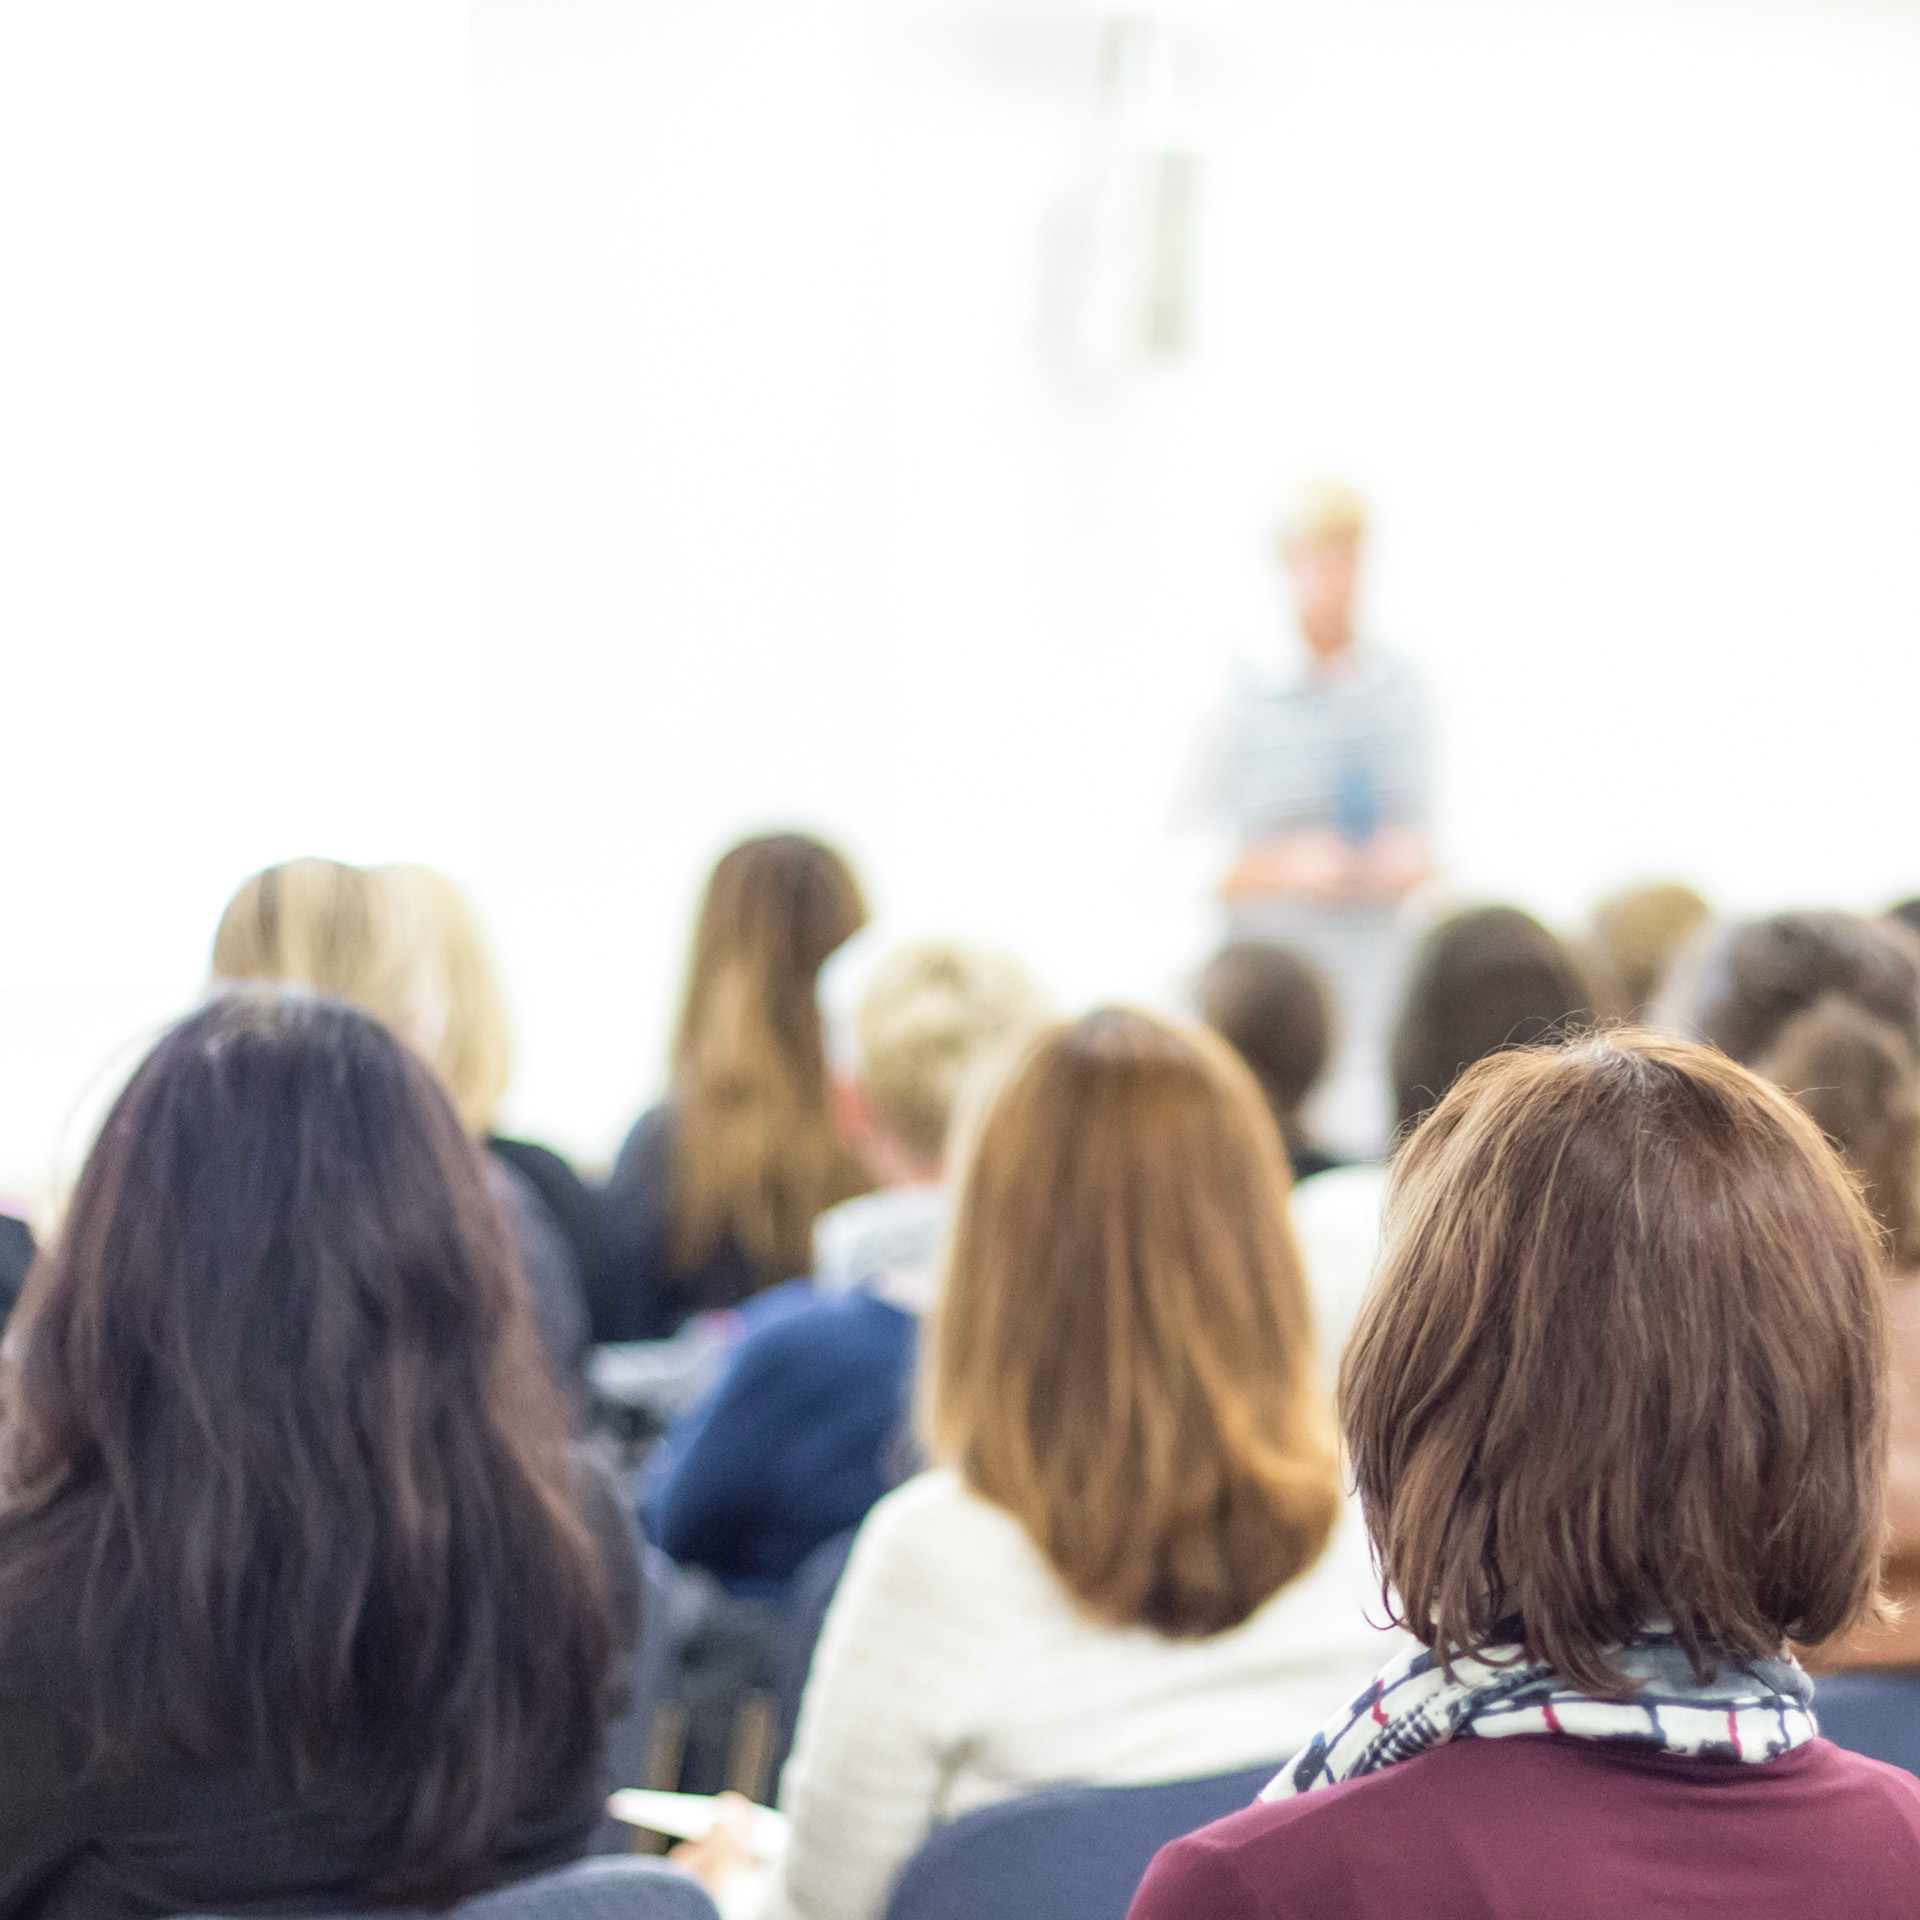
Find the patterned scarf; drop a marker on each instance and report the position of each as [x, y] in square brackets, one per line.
[1746, 1712]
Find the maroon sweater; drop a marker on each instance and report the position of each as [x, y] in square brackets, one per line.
[1534, 1827]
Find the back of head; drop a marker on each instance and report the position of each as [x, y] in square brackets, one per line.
[282, 1458]
[1122, 1354]
[1636, 935]
[315, 923]
[458, 1015]
[757, 1156]
[1483, 980]
[1272, 1008]
[1627, 1317]
[932, 1014]
[1756, 978]
[1859, 1080]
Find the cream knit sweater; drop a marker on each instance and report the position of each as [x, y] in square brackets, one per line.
[954, 1671]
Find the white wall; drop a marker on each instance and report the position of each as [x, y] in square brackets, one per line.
[780, 512]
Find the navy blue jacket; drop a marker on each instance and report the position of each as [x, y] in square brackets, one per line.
[805, 1430]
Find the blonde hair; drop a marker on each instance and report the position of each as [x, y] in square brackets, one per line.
[318, 923]
[932, 1013]
[1123, 1356]
[756, 1156]
[458, 1016]
[1323, 513]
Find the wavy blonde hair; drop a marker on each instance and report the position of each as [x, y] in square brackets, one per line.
[756, 1156]
[1123, 1353]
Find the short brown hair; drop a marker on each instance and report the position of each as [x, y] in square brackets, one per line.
[1488, 978]
[1624, 1360]
[1757, 977]
[1858, 1079]
[1122, 1357]
[1271, 1007]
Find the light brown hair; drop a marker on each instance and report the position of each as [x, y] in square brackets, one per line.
[1635, 937]
[756, 1157]
[1624, 1360]
[1122, 1356]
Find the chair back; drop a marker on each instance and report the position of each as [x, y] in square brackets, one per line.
[1877, 1714]
[1065, 1853]
[802, 1615]
[606, 1887]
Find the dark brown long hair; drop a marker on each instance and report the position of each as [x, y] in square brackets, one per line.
[756, 1157]
[1123, 1354]
[280, 1462]
[1624, 1358]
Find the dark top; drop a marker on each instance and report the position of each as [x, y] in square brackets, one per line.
[804, 1431]
[639, 1295]
[179, 1837]
[16, 1256]
[573, 1205]
[559, 1294]
[1534, 1825]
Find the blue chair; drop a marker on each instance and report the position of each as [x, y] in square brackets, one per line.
[1877, 1714]
[1065, 1853]
[606, 1887]
[802, 1614]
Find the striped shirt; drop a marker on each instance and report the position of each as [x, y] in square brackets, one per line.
[1348, 752]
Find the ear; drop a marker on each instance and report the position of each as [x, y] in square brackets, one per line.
[852, 1111]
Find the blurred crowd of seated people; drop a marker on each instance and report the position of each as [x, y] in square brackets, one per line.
[947, 1398]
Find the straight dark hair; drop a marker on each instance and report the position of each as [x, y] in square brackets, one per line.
[282, 1473]
[1624, 1359]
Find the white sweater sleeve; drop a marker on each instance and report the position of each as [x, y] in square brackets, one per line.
[887, 1701]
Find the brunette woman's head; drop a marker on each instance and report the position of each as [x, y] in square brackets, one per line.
[1744, 986]
[756, 1155]
[1122, 1355]
[1623, 1361]
[281, 1452]
[1271, 1007]
[1486, 979]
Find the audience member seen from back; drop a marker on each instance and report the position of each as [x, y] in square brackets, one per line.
[1630, 1311]
[381, 941]
[1482, 980]
[809, 1425]
[715, 1192]
[1272, 1008]
[16, 1257]
[304, 1604]
[1828, 1005]
[1635, 938]
[1133, 1562]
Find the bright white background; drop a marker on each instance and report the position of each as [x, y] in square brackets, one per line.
[552, 442]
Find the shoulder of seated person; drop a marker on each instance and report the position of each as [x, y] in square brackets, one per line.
[936, 1522]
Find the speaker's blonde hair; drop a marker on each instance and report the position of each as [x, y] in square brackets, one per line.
[1323, 513]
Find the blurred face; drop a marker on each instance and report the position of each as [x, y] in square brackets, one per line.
[1326, 574]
